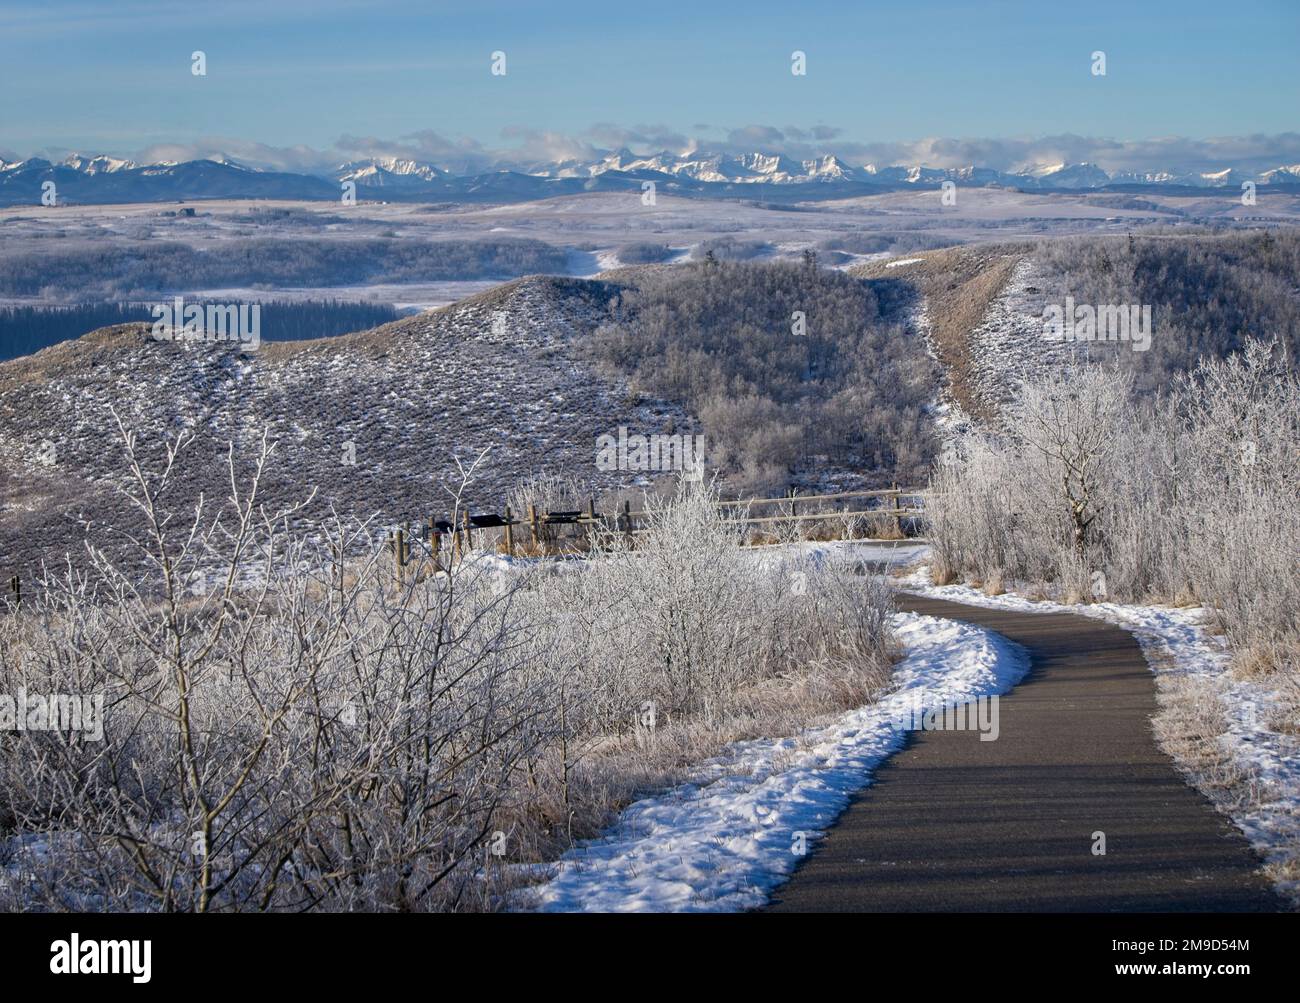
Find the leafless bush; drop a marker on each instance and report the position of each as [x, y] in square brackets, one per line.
[280, 736]
[1193, 497]
[287, 727]
[547, 493]
[688, 617]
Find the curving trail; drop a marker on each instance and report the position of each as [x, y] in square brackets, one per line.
[955, 824]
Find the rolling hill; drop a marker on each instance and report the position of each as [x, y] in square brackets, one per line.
[493, 372]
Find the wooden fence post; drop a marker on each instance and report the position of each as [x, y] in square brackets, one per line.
[532, 525]
[627, 519]
[469, 540]
[400, 554]
[16, 584]
[591, 525]
[898, 525]
[510, 533]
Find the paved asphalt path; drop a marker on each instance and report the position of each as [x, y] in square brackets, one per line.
[955, 824]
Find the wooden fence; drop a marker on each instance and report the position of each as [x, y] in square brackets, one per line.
[464, 531]
[450, 538]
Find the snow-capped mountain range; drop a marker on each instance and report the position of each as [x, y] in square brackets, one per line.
[104, 179]
[389, 171]
[720, 168]
[779, 169]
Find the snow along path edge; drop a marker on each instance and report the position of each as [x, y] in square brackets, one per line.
[723, 841]
[1179, 648]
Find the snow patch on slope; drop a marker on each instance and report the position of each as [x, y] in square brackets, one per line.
[949, 417]
[1008, 348]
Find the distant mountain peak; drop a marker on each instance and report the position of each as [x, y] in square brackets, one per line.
[100, 164]
[382, 171]
[107, 179]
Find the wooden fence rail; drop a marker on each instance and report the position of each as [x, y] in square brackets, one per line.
[433, 533]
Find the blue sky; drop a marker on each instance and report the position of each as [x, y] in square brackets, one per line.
[116, 76]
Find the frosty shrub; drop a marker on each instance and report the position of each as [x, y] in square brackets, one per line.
[1238, 496]
[547, 493]
[1192, 496]
[644, 252]
[287, 727]
[669, 644]
[684, 617]
[281, 731]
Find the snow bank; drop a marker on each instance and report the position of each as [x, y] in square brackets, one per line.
[724, 840]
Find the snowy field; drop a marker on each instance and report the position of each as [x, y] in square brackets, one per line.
[591, 227]
[734, 832]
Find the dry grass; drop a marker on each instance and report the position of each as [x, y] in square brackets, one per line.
[1286, 717]
[883, 527]
[958, 284]
[797, 529]
[1190, 726]
[941, 573]
[1285, 872]
[1255, 662]
[614, 771]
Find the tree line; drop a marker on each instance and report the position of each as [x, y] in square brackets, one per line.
[786, 365]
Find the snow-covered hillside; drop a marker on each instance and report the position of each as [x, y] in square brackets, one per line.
[373, 421]
[1008, 348]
